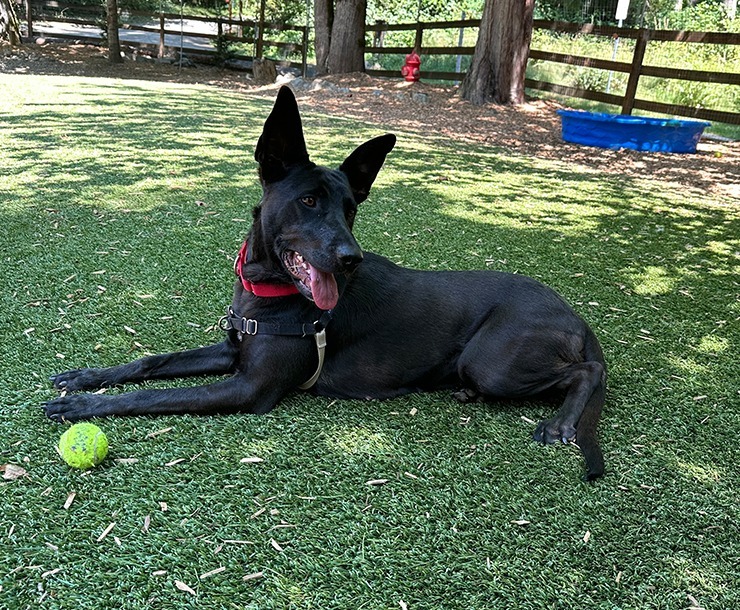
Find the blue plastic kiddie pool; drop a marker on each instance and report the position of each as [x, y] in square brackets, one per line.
[635, 132]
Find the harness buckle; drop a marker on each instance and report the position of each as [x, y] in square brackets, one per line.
[249, 327]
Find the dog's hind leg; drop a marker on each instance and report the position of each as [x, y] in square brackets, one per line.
[215, 359]
[579, 414]
[500, 363]
[580, 382]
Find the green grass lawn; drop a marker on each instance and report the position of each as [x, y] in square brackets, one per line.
[122, 205]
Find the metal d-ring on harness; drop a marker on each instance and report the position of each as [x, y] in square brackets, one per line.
[317, 329]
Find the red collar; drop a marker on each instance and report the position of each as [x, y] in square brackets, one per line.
[260, 290]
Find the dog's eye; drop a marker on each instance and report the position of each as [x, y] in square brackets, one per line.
[309, 201]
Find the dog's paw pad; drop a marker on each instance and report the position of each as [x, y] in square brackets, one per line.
[551, 431]
[466, 395]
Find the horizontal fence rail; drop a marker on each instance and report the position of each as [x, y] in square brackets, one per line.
[251, 31]
[635, 69]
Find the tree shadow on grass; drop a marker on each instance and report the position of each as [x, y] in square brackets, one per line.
[126, 136]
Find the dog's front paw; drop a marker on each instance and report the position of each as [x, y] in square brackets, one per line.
[466, 395]
[550, 431]
[78, 380]
[75, 407]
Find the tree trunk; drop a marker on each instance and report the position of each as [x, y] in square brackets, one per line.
[114, 45]
[9, 25]
[323, 20]
[497, 71]
[346, 51]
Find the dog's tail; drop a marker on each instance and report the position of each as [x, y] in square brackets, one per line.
[586, 435]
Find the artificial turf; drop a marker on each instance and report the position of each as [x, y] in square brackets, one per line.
[122, 206]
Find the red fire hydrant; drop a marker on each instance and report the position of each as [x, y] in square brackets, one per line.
[410, 70]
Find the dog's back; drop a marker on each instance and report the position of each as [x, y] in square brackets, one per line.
[407, 330]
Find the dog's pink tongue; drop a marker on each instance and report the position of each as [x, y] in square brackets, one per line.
[324, 289]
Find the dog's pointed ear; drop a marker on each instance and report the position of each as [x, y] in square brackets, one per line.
[363, 165]
[281, 143]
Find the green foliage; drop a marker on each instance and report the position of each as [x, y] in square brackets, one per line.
[123, 204]
[717, 58]
[703, 15]
[226, 48]
[708, 16]
[576, 11]
[423, 10]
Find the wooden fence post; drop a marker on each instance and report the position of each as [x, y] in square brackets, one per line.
[378, 35]
[643, 37]
[29, 19]
[304, 52]
[261, 32]
[419, 35]
[160, 53]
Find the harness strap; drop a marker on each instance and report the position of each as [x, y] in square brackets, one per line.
[317, 329]
[320, 348]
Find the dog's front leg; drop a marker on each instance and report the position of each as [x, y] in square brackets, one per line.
[216, 359]
[236, 394]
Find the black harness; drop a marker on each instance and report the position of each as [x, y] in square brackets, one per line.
[249, 326]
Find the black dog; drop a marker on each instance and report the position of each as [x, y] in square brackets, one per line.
[311, 309]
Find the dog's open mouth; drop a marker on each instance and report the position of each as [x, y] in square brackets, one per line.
[317, 285]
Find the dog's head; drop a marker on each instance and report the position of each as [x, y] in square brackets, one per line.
[307, 211]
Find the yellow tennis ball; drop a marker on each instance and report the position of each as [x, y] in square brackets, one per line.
[83, 446]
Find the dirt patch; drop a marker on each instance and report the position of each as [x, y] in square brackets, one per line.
[532, 129]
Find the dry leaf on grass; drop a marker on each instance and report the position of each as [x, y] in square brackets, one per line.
[11, 472]
[253, 576]
[251, 460]
[158, 432]
[183, 587]
[106, 531]
[212, 573]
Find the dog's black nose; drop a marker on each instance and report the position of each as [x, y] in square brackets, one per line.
[349, 260]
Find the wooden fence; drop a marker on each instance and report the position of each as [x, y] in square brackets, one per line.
[224, 31]
[253, 32]
[635, 69]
